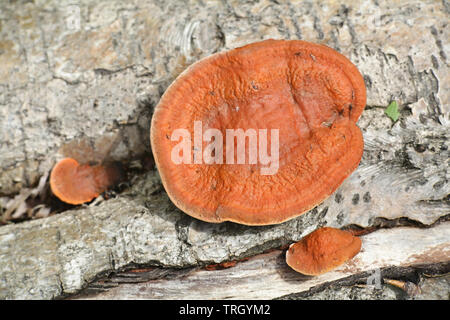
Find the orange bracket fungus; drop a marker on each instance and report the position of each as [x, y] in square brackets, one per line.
[76, 184]
[259, 134]
[322, 251]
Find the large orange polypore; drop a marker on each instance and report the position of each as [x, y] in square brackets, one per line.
[310, 93]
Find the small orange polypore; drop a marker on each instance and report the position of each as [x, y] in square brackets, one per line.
[76, 184]
[322, 250]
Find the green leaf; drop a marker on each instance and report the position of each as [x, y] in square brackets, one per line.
[392, 111]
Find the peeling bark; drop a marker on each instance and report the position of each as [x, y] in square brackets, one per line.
[268, 277]
[81, 80]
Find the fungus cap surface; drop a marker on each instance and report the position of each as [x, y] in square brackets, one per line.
[322, 250]
[76, 184]
[310, 93]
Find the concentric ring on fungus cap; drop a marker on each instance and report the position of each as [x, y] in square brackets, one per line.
[312, 94]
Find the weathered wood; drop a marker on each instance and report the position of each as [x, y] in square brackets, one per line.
[87, 90]
[267, 276]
